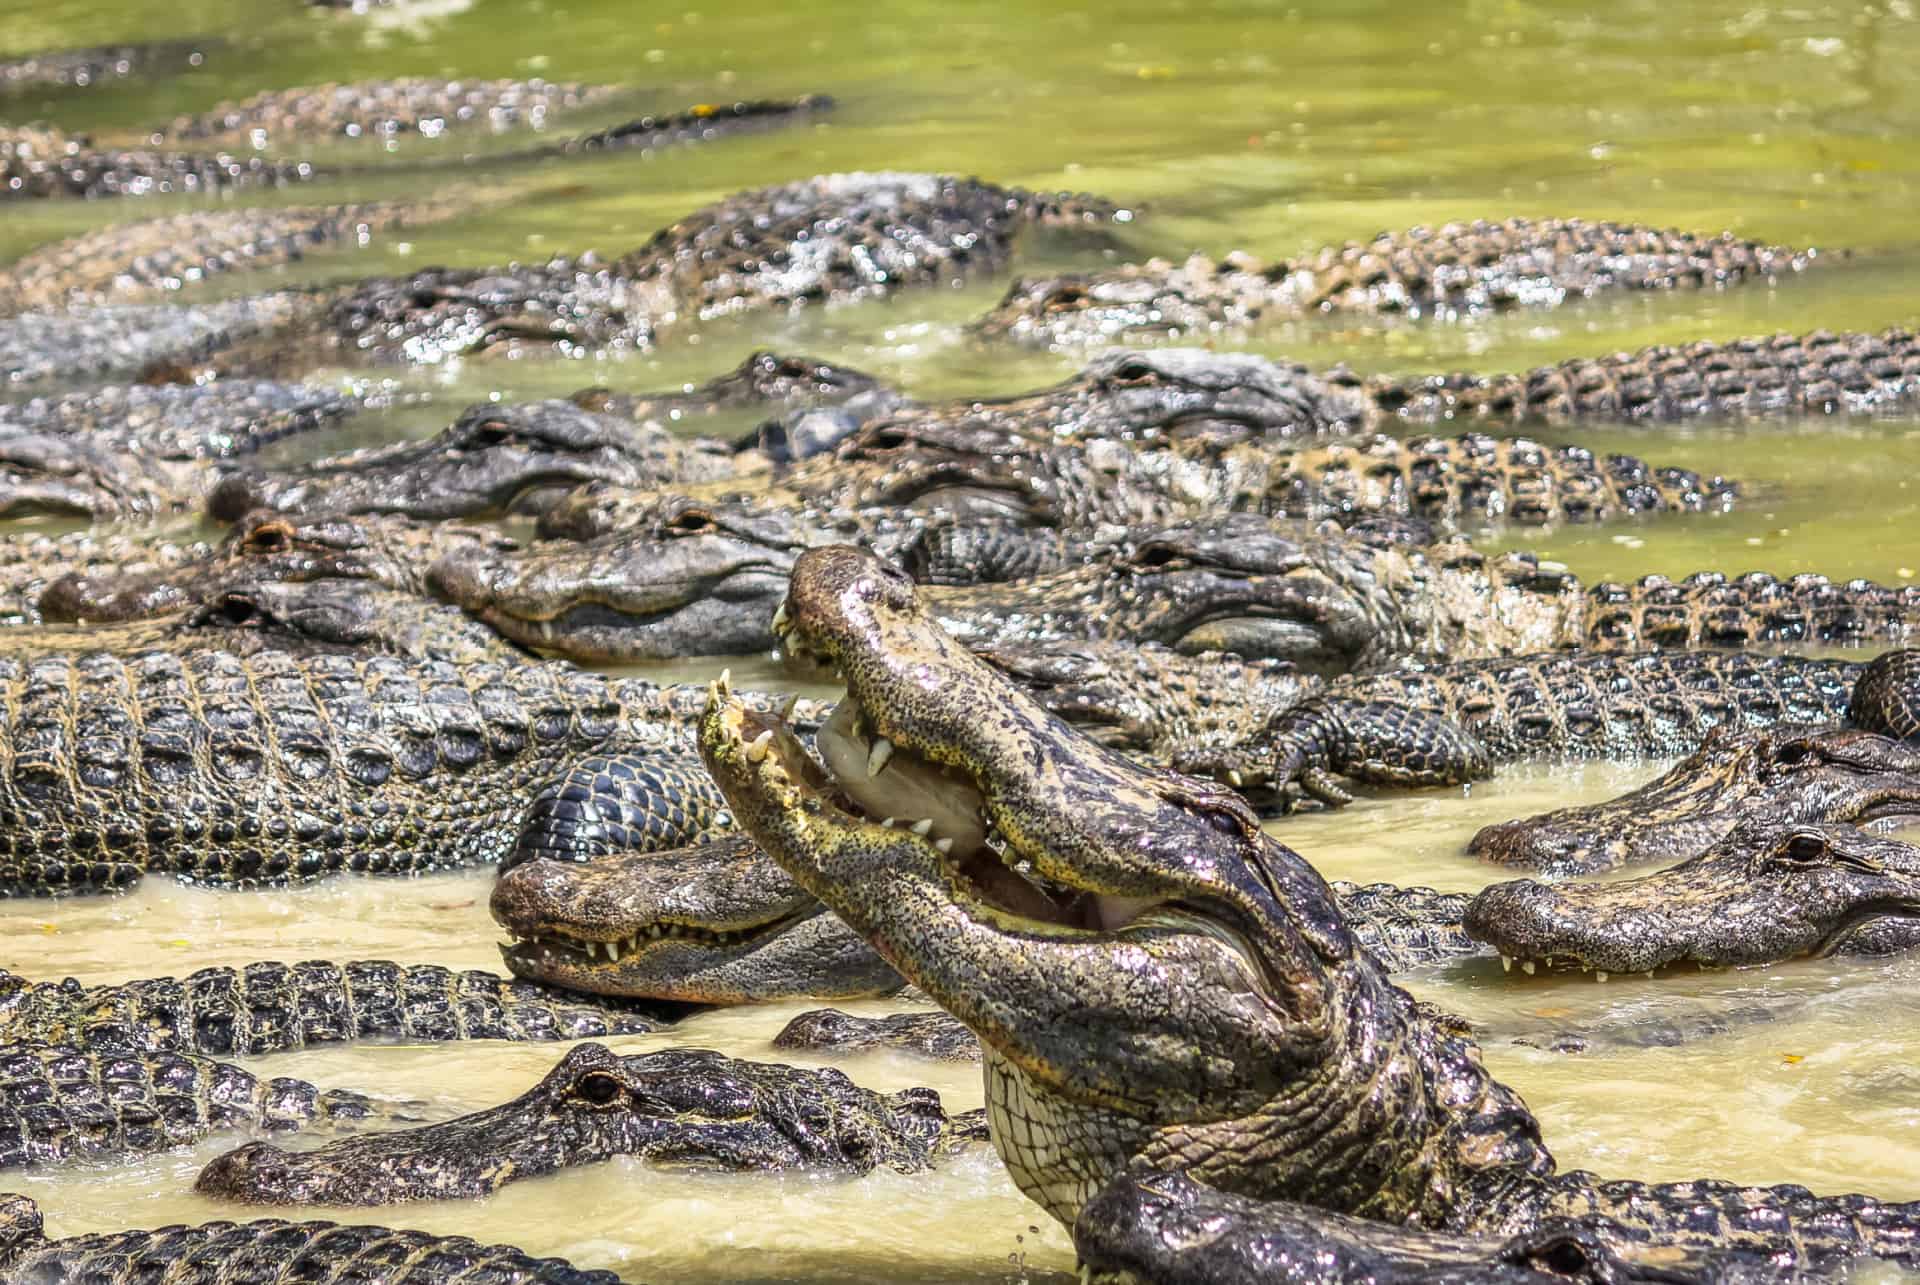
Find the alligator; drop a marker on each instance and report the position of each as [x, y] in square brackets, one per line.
[1458, 268]
[98, 65]
[834, 238]
[384, 110]
[31, 561]
[59, 1103]
[493, 460]
[235, 770]
[1789, 773]
[1768, 891]
[277, 1008]
[268, 1252]
[1451, 724]
[37, 161]
[721, 923]
[131, 261]
[1159, 985]
[689, 1108]
[138, 339]
[1167, 1229]
[138, 453]
[932, 1034]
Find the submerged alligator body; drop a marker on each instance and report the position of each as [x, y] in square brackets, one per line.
[1162, 986]
[135, 340]
[97, 65]
[1786, 774]
[1450, 724]
[36, 161]
[235, 769]
[385, 110]
[268, 1252]
[277, 1008]
[30, 562]
[684, 1107]
[1452, 269]
[1767, 892]
[59, 1103]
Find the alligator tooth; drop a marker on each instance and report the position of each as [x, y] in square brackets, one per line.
[1526, 966]
[888, 823]
[1234, 778]
[1599, 976]
[877, 756]
[726, 681]
[593, 950]
[945, 846]
[1506, 962]
[787, 707]
[613, 952]
[922, 826]
[760, 746]
[780, 618]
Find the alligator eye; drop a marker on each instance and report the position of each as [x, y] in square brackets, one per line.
[1156, 555]
[492, 432]
[270, 537]
[1562, 1258]
[1805, 847]
[598, 1088]
[691, 522]
[236, 610]
[1134, 372]
[1792, 753]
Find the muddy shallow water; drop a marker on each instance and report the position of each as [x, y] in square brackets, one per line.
[1230, 125]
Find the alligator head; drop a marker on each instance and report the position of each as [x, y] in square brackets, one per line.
[692, 582]
[683, 1107]
[492, 461]
[1153, 978]
[1761, 895]
[1784, 774]
[718, 923]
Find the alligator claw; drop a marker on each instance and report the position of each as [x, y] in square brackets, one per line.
[1322, 785]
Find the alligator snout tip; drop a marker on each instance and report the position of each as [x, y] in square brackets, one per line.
[244, 1174]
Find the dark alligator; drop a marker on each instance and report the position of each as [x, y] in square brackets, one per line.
[1791, 774]
[1456, 268]
[342, 616]
[235, 770]
[98, 65]
[721, 923]
[149, 257]
[59, 1103]
[493, 460]
[31, 561]
[681, 1107]
[277, 1008]
[1769, 891]
[38, 161]
[138, 453]
[384, 110]
[267, 1252]
[1451, 724]
[1158, 984]
[1167, 1229]
[933, 1035]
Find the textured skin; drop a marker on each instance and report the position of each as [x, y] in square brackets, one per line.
[685, 1107]
[931, 1035]
[1337, 603]
[1456, 268]
[1166, 1229]
[834, 238]
[40, 162]
[131, 340]
[385, 109]
[264, 548]
[493, 460]
[237, 770]
[1169, 988]
[1451, 724]
[1786, 774]
[130, 261]
[29, 562]
[268, 1252]
[1769, 891]
[59, 1103]
[277, 1008]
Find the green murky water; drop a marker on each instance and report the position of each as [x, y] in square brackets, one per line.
[1269, 128]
